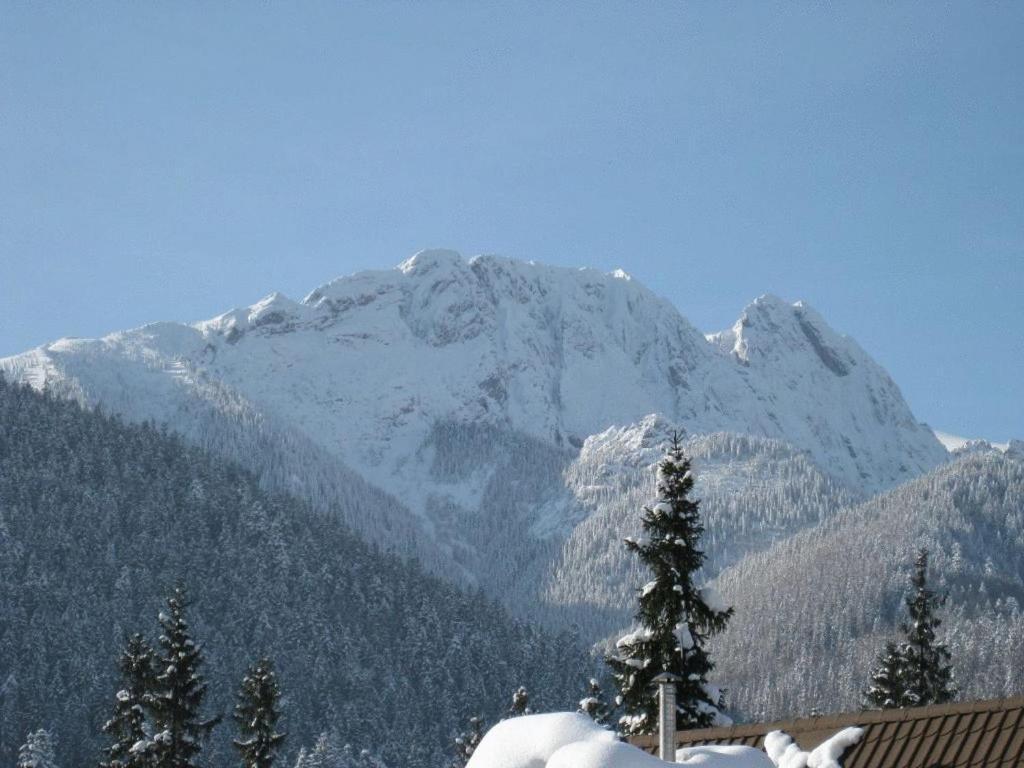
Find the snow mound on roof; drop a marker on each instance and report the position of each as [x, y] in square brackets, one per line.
[597, 754]
[723, 756]
[572, 740]
[529, 741]
[784, 752]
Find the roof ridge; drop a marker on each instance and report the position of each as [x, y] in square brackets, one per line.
[842, 719]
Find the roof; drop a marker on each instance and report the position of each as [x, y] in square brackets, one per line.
[976, 734]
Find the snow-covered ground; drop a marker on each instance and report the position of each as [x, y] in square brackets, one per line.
[572, 740]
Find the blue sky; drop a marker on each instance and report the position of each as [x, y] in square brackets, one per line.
[172, 160]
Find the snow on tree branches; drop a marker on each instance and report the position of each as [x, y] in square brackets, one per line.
[520, 703]
[594, 704]
[177, 700]
[675, 616]
[915, 672]
[467, 742]
[37, 751]
[127, 725]
[256, 715]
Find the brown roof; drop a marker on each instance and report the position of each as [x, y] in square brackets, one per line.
[976, 734]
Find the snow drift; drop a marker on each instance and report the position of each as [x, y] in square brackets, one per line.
[571, 740]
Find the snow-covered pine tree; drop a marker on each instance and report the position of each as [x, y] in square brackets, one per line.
[888, 683]
[127, 724]
[594, 704]
[928, 674]
[256, 715]
[675, 617]
[38, 751]
[177, 700]
[467, 742]
[326, 753]
[520, 702]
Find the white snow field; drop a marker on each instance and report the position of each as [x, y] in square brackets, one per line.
[531, 740]
[572, 740]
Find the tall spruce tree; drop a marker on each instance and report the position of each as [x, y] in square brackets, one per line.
[916, 672]
[257, 714]
[928, 674]
[177, 700]
[127, 724]
[675, 618]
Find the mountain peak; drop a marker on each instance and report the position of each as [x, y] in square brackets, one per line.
[430, 259]
[772, 331]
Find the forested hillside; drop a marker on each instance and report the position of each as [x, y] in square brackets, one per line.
[99, 519]
[753, 491]
[812, 611]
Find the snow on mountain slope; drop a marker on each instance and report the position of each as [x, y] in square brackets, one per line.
[820, 391]
[753, 491]
[954, 443]
[822, 603]
[362, 374]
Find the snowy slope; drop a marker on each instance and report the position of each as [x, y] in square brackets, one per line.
[954, 443]
[821, 392]
[363, 378]
[845, 579]
[753, 491]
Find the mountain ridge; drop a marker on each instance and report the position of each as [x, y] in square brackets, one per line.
[443, 299]
[375, 382]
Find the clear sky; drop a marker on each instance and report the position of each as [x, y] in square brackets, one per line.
[173, 160]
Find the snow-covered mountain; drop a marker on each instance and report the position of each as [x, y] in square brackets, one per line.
[438, 407]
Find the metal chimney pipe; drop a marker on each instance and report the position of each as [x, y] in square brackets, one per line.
[667, 715]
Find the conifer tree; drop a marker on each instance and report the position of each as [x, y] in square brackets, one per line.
[127, 724]
[38, 751]
[928, 674]
[326, 753]
[180, 689]
[675, 618]
[594, 704]
[467, 742]
[916, 672]
[256, 715]
[888, 683]
[520, 702]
